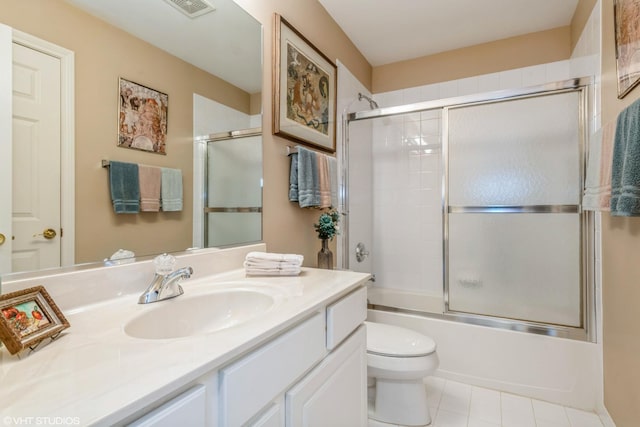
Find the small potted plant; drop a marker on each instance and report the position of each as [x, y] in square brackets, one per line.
[327, 228]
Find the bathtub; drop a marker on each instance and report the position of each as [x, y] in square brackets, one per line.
[558, 370]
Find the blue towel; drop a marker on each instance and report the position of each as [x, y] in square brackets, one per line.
[333, 175]
[625, 170]
[308, 179]
[171, 190]
[125, 188]
[293, 178]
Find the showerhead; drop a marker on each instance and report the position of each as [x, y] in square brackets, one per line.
[372, 104]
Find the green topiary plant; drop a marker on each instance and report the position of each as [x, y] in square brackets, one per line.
[327, 226]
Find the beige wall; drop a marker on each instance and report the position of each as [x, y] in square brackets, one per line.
[287, 228]
[102, 54]
[579, 20]
[515, 52]
[621, 269]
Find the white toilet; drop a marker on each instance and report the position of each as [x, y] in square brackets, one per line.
[398, 359]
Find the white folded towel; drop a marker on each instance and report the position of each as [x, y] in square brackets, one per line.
[257, 272]
[271, 264]
[273, 257]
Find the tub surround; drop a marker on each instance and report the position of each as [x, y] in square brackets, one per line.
[102, 376]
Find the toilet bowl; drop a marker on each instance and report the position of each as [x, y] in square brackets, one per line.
[398, 359]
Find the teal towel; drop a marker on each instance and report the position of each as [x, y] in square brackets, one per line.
[308, 179]
[333, 176]
[293, 178]
[171, 190]
[125, 187]
[625, 170]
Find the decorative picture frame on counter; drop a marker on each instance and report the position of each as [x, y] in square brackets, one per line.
[28, 317]
[142, 117]
[626, 17]
[304, 87]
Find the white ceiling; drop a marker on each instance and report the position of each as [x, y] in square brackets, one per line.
[226, 42]
[387, 31]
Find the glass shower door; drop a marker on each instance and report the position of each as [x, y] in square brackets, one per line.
[233, 213]
[513, 225]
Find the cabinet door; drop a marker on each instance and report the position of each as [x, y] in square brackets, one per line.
[187, 409]
[334, 393]
[249, 384]
[273, 417]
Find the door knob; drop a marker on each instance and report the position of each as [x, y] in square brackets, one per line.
[2, 238]
[48, 234]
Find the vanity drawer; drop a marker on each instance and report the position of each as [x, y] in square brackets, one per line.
[250, 384]
[344, 316]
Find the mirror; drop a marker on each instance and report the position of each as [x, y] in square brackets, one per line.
[213, 59]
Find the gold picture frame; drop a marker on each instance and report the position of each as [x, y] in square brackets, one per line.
[304, 89]
[626, 17]
[142, 117]
[27, 317]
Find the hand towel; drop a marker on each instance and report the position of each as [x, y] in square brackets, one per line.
[274, 257]
[279, 272]
[625, 170]
[324, 181]
[308, 179]
[597, 191]
[171, 190]
[150, 178]
[272, 264]
[333, 177]
[125, 187]
[293, 178]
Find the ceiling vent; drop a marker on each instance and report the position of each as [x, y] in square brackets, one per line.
[191, 8]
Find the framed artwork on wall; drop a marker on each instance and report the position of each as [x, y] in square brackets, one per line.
[28, 317]
[627, 27]
[142, 117]
[304, 90]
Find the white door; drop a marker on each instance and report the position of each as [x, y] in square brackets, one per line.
[5, 149]
[36, 160]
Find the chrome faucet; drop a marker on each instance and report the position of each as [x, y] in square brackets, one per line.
[166, 281]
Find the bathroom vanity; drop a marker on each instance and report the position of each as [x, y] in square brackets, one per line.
[233, 350]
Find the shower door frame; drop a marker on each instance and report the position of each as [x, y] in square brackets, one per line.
[583, 85]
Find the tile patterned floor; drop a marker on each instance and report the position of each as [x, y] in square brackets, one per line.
[455, 404]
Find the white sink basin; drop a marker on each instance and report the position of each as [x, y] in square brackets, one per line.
[199, 314]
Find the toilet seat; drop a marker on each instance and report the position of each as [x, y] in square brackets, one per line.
[392, 341]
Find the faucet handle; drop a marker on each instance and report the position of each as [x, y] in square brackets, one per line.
[164, 264]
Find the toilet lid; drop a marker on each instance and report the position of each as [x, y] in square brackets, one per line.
[389, 340]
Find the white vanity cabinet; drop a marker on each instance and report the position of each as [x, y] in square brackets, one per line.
[299, 363]
[312, 375]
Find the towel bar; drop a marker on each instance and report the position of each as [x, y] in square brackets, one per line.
[233, 210]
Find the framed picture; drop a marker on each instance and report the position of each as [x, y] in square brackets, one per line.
[28, 317]
[626, 17]
[142, 118]
[304, 90]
